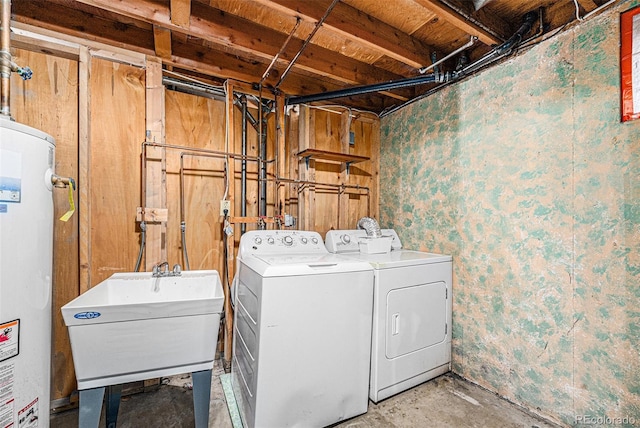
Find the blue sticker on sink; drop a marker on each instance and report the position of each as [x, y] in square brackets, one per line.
[86, 315]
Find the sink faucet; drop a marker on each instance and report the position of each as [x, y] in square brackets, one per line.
[162, 269]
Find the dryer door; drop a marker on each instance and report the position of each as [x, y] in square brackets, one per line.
[416, 318]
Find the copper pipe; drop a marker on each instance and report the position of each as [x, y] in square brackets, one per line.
[5, 54]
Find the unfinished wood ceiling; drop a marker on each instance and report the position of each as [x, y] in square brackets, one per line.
[360, 42]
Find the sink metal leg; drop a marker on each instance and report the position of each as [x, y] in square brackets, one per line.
[201, 397]
[90, 407]
[114, 392]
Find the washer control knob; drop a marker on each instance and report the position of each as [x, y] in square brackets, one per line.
[288, 240]
[345, 238]
[270, 240]
[303, 240]
[258, 240]
[314, 240]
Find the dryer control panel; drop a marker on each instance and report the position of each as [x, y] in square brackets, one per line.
[281, 242]
[347, 241]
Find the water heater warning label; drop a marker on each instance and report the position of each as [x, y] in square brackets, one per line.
[10, 176]
[28, 417]
[9, 339]
[7, 376]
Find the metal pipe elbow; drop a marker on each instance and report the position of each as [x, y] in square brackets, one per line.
[371, 226]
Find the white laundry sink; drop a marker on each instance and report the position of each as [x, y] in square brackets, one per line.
[133, 326]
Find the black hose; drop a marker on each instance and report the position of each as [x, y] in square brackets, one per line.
[183, 228]
[143, 240]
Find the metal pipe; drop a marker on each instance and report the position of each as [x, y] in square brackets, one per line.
[306, 42]
[243, 176]
[284, 46]
[365, 89]
[470, 43]
[5, 54]
[194, 88]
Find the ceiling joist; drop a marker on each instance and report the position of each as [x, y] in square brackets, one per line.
[460, 21]
[181, 12]
[361, 28]
[237, 34]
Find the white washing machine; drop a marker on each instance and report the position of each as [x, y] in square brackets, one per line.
[411, 314]
[302, 331]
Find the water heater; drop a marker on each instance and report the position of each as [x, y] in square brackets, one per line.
[26, 250]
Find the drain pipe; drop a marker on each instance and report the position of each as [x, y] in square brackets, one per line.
[243, 176]
[359, 90]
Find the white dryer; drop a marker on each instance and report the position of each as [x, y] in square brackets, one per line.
[302, 331]
[411, 314]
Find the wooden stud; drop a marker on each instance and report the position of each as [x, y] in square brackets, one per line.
[152, 215]
[84, 175]
[156, 190]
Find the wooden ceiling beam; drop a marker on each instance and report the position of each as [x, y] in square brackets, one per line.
[181, 13]
[58, 18]
[82, 25]
[588, 5]
[162, 42]
[359, 27]
[239, 35]
[462, 23]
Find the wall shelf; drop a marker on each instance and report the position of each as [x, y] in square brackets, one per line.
[345, 158]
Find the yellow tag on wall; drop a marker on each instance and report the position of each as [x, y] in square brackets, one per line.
[72, 206]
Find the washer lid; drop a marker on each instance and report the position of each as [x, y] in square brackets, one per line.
[399, 258]
[303, 264]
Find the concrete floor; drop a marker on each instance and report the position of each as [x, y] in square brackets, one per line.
[447, 401]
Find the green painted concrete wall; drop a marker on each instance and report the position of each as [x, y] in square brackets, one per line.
[525, 174]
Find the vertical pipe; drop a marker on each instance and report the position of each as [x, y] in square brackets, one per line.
[243, 180]
[5, 53]
[263, 165]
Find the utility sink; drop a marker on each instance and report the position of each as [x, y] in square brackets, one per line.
[133, 326]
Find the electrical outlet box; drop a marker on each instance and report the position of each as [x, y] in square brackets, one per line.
[225, 205]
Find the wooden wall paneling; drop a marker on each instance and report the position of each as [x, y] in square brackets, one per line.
[196, 122]
[117, 115]
[364, 173]
[49, 102]
[327, 138]
[155, 168]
